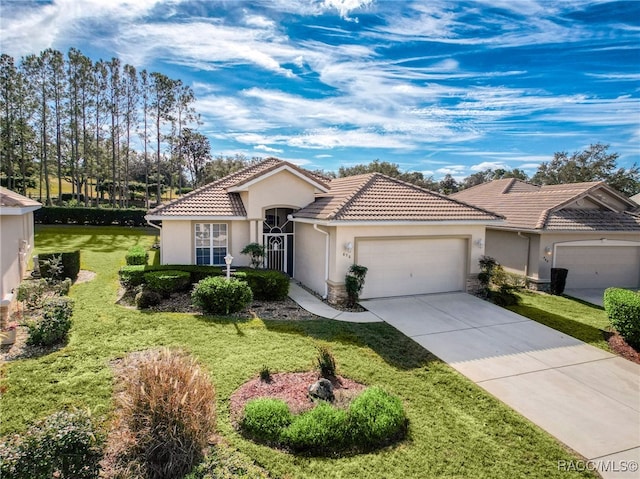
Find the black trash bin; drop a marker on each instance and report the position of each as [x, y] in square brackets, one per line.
[558, 280]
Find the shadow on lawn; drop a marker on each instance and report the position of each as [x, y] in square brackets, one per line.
[392, 346]
[583, 332]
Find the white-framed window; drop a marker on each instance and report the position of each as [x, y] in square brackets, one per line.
[211, 243]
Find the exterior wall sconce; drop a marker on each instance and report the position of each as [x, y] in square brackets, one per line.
[227, 260]
[479, 242]
[348, 247]
[548, 251]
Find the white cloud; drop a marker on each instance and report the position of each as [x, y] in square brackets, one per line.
[268, 149]
[493, 165]
[452, 170]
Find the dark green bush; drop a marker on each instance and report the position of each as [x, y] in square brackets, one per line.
[137, 255]
[167, 282]
[70, 265]
[266, 285]
[321, 430]
[326, 362]
[376, 417]
[90, 216]
[217, 295]
[65, 445]
[623, 308]
[264, 419]
[147, 298]
[54, 324]
[131, 276]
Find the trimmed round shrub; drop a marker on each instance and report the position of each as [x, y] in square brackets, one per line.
[216, 295]
[265, 418]
[147, 298]
[165, 416]
[54, 324]
[131, 276]
[623, 308]
[376, 417]
[64, 445]
[137, 255]
[167, 282]
[321, 430]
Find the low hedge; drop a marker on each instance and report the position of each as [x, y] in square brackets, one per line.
[266, 285]
[70, 264]
[623, 309]
[217, 295]
[166, 282]
[51, 215]
[374, 418]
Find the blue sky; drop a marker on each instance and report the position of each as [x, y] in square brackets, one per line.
[435, 86]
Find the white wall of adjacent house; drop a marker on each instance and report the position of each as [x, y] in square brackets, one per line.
[409, 259]
[17, 244]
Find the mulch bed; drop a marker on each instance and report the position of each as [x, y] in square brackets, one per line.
[621, 348]
[292, 389]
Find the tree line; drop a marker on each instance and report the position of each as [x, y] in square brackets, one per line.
[103, 126]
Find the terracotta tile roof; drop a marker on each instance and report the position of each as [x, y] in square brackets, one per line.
[9, 198]
[214, 199]
[376, 197]
[527, 206]
[592, 220]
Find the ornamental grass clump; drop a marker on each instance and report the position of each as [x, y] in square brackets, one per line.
[164, 419]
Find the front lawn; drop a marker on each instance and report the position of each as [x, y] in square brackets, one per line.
[583, 321]
[456, 429]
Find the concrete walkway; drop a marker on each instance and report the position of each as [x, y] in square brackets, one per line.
[315, 306]
[585, 397]
[590, 295]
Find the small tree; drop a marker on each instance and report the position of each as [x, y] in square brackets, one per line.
[257, 253]
[354, 282]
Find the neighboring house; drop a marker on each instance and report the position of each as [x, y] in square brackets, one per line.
[636, 199]
[412, 240]
[16, 242]
[588, 228]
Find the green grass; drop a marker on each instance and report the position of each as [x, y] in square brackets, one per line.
[583, 321]
[456, 429]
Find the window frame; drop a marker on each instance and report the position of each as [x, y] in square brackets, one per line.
[215, 250]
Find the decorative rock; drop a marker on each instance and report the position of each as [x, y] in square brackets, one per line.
[321, 389]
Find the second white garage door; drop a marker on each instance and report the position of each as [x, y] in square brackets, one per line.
[600, 266]
[399, 267]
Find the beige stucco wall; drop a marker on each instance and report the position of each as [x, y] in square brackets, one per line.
[510, 250]
[340, 261]
[309, 256]
[14, 254]
[177, 243]
[282, 189]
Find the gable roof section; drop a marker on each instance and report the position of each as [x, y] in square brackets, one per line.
[375, 197]
[12, 203]
[220, 198]
[528, 206]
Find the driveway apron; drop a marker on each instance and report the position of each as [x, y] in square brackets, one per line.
[584, 396]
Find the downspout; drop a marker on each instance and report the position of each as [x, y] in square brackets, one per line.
[159, 228]
[526, 265]
[326, 260]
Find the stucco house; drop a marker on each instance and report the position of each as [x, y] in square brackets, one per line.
[412, 240]
[16, 243]
[588, 228]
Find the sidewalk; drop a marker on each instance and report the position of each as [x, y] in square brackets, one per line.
[315, 306]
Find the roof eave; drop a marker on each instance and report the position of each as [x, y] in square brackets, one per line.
[245, 186]
[17, 210]
[334, 222]
[193, 218]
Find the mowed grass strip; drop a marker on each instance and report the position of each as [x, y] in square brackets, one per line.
[456, 429]
[583, 321]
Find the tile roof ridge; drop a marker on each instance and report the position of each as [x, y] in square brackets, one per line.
[510, 183]
[366, 179]
[544, 216]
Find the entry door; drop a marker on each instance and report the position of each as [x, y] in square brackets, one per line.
[278, 240]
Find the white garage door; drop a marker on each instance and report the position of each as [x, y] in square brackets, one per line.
[399, 267]
[600, 266]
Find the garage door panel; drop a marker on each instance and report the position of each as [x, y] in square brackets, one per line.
[399, 267]
[600, 266]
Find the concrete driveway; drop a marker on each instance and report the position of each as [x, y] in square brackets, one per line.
[585, 397]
